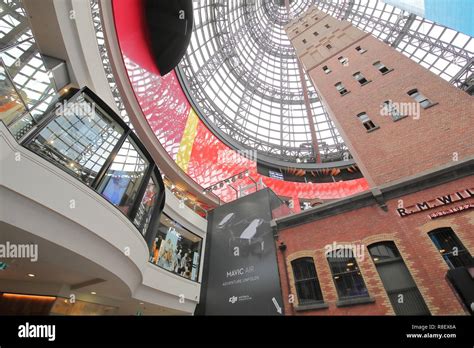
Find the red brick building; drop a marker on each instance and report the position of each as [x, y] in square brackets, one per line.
[404, 247]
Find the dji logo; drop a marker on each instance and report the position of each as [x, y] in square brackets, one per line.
[233, 299]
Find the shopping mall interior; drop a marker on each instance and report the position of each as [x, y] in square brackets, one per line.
[237, 157]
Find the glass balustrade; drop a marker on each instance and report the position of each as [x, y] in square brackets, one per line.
[85, 138]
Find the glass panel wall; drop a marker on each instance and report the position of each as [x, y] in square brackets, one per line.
[122, 181]
[85, 138]
[176, 249]
[25, 80]
[145, 209]
[79, 139]
[11, 105]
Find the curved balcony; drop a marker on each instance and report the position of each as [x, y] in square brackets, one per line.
[85, 138]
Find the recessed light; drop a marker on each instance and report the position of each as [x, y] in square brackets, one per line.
[93, 293]
[142, 303]
[31, 275]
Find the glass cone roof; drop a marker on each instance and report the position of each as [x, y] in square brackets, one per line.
[240, 70]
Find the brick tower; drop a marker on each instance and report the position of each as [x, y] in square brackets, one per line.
[397, 118]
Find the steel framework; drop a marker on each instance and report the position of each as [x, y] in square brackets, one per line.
[241, 72]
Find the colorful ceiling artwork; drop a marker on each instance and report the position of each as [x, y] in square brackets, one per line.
[196, 150]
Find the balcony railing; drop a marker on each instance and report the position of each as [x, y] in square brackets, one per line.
[85, 138]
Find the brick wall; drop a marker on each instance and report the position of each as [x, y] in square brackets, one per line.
[369, 225]
[423, 140]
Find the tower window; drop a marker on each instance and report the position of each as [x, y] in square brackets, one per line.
[360, 49]
[326, 26]
[382, 68]
[306, 281]
[367, 122]
[304, 41]
[328, 46]
[420, 98]
[326, 69]
[343, 60]
[306, 25]
[315, 33]
[391, 110]
[360, 78]
[341, 89]
[451, 248]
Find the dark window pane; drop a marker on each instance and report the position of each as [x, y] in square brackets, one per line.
[346, 274]
[451, 248]
[122, 181]
[401, 289]
[306, 281]
[145, 209]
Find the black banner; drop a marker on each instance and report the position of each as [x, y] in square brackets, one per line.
[241, 271]
[241, 330]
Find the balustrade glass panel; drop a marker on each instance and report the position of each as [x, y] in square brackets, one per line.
[145, 209]
[80, 138]
[11, 105]
[122, 181]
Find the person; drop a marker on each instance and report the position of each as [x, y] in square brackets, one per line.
[182, 265]
[168, 254]
[156, 249]
[177, 261]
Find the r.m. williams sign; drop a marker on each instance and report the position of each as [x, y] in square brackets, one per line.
[437, 202]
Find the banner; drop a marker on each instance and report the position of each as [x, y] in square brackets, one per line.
[241, 273]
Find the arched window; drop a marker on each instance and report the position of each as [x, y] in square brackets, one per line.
[306, 281]
[346, 274]
[451, 248]
[401, 289]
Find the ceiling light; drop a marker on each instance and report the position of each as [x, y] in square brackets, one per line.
[31, 275]
[93, 293]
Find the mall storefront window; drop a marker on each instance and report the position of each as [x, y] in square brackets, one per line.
[176, 249]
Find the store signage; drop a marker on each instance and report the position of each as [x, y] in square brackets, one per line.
[451, 211]
[437, 202]
[241, 271]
